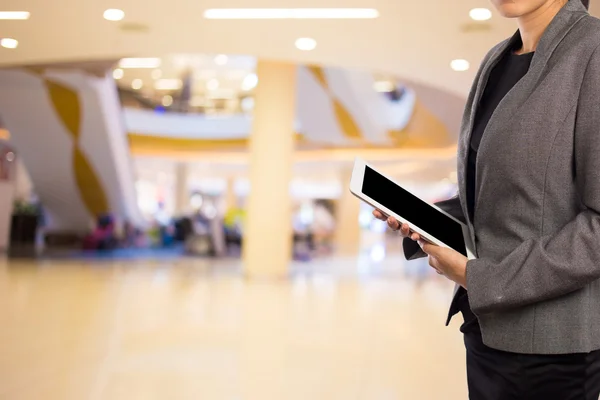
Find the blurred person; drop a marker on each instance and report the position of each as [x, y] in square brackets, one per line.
[323, 225]
[185, 94]
[103, 237]
[529, 178]
[161, 215]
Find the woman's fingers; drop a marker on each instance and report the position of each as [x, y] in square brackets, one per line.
[396, 226]
[379, 215]
[405, 230]
[392, 223]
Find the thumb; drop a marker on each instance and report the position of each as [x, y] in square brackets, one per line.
[428, 248]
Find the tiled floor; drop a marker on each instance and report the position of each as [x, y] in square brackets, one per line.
[168, 330]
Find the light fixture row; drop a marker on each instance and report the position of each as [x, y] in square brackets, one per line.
[248, 83]
[115, 14]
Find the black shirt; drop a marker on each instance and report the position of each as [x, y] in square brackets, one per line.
[509, 70]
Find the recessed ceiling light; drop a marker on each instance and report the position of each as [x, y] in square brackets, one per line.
[213, 84]
[14, 15]
[139, 63]
[137, 84]
[118, 73]
[167, 100]
[306, 44]
[291, 13]
[383, 86]
[9, 43]
[167, 84]
[247, 104]
[221, 59]
[113, 14]
[480, 14]
[460, 65]
[249, 82]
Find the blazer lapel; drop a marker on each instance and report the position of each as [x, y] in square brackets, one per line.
[465, 137]
[562, 23]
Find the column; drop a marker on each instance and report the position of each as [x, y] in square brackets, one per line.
[267, 239]
[347, 231]
[6, 195]
[182, 190]
[230, 200]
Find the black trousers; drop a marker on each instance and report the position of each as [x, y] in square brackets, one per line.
[499, 375]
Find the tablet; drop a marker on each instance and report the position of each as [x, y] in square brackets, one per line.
[432, 223]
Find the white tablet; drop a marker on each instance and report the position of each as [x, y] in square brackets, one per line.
[432, 223]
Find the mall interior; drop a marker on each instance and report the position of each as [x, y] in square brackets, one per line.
[175, 213]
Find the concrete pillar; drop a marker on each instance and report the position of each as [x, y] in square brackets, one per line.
[230, 197]
[182, 190]
[347, 232]
[267, 241]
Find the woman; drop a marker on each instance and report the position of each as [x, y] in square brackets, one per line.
[529, 190]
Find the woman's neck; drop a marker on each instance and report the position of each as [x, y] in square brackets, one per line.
[533, 25]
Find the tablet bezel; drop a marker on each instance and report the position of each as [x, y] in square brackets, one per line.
[356, 184]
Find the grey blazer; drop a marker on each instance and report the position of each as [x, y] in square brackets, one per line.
[535, 285]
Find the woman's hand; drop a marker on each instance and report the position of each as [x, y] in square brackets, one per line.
[447, 262]
[404, 229]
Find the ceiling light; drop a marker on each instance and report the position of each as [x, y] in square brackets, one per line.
[139, 63]
[291, 13]
[247, 104]
[118, 73]
[113, 14]
[9, 43]
[137, 84]
[306, 44]
[167, 100]
[249, 82]
[221, 59]
[480, 14]
[213, 84]
[460, 65]
[156, 74]
[167, 84]
[14, 15]
[384, 86]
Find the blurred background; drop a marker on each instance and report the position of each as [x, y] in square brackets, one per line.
[175, 219]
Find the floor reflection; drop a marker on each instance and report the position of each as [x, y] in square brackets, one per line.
[368, 327]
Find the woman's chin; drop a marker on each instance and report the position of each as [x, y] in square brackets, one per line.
[510, 10]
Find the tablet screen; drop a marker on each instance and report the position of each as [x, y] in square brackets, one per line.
[413, 209]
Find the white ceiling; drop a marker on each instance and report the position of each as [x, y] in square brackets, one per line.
[414, 39]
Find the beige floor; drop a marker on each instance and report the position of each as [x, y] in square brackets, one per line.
[184, 330]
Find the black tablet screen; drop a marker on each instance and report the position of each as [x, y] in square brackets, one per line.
[414, 210]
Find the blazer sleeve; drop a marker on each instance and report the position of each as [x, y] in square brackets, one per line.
[553, 265]
[452, 206]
